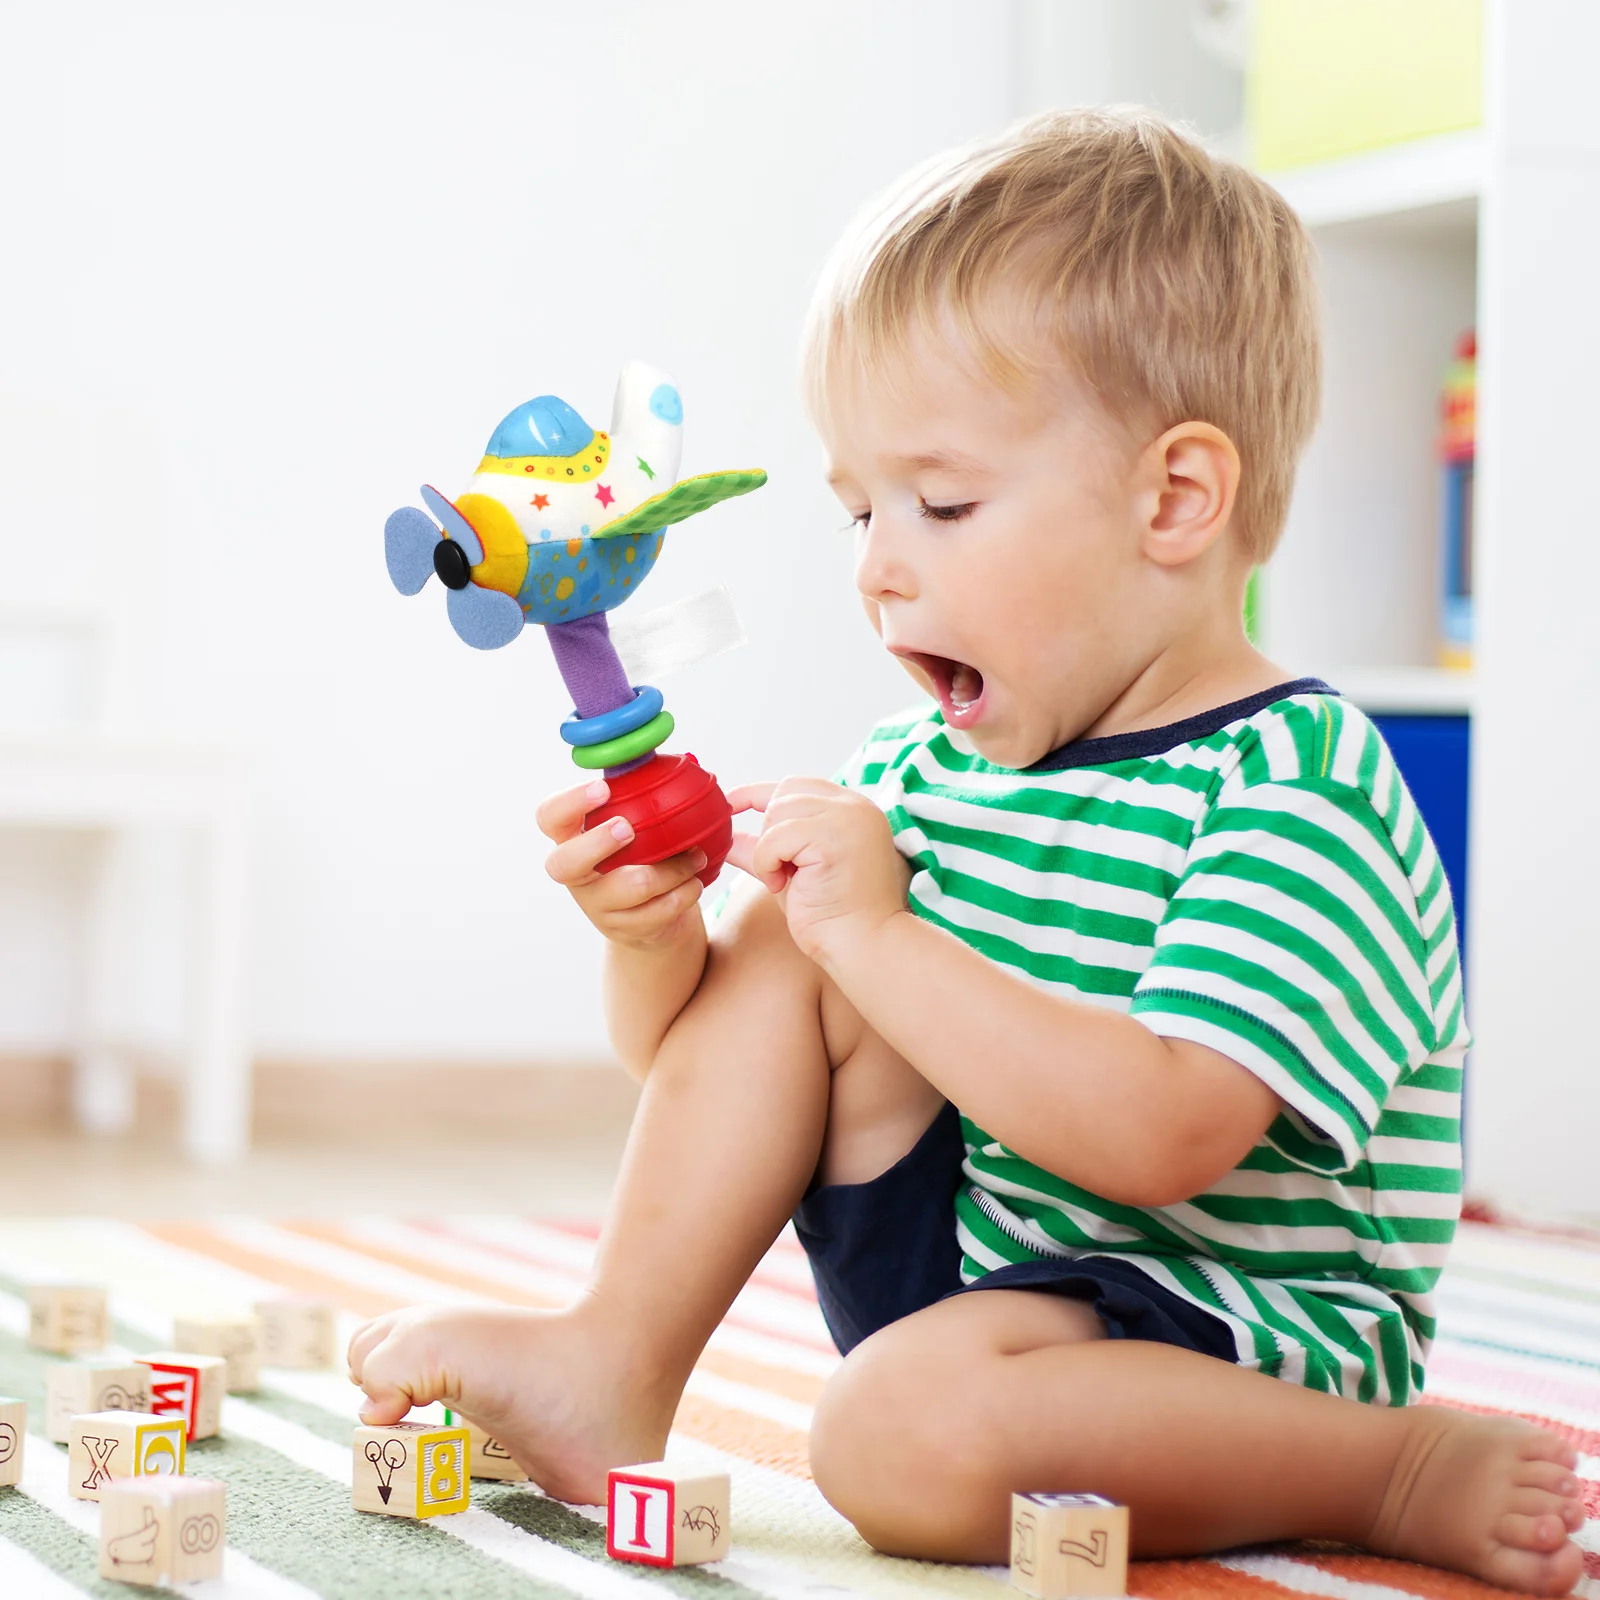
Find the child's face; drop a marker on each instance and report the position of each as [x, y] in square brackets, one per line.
[999, 547]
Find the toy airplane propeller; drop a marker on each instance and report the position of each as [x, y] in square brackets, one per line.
[559, 525]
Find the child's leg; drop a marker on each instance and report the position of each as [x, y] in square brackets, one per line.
[931, 1425]
[733, 1117]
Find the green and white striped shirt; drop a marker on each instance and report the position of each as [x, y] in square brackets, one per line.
[1258, 881]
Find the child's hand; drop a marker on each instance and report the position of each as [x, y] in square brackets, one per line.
[645, 907]
[827, 852]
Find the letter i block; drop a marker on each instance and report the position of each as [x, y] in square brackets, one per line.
[296, 1333]
[1067, 1545]
[13, 1434]
[412, 1469]
[67, 1318]
[80, 1386]
[155, 1530]
[187, 1386]
[664, 1514]
[236, 1339]
[107, 1445]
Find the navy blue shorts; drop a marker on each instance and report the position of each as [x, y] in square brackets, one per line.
[881, 1250]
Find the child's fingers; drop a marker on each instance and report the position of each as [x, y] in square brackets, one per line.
[642, 924]
[742, 854]
[750, 796]
[560, 816]
[636, 886]
[386, 1405]
[578, 859]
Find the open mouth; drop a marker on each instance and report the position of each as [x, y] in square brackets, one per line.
[958, 685]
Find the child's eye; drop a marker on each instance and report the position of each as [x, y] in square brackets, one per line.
[947, 513]
[859, 521]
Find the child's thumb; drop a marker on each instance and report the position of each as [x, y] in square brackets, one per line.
[386, 1405]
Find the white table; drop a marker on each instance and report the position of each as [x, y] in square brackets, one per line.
[106, 785]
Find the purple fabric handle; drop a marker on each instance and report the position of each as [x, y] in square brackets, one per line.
[588, 664]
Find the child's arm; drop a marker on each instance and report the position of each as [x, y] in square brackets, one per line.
[655, 937]
[1087, 1093]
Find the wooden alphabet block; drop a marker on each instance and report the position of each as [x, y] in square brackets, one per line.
[487, 1458]
[163, 1530]
[188, 1385]
[107, 1445]
[412, 1469]
[296, 1333]
[236, 1339]
[67, 1318]
[664, 1514]
[1067, 1545]
[80, 1386]
[13, 1436]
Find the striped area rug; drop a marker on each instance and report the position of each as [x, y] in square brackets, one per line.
[1520, 1334]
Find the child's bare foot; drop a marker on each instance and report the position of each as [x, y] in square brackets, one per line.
[552, 1387]
[1491, 1496]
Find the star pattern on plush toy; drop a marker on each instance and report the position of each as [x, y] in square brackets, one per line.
[540, 502]
[603, 494]
[647, 469]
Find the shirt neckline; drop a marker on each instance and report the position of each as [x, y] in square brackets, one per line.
[1147, 742]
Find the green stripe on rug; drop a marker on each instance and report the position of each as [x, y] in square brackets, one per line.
[59, 1546]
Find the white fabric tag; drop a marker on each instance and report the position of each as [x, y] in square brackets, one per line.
[661, 641]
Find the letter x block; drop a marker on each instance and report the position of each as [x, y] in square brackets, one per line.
[236, 1339]
[413, 1469]
[155, 1530]
[296, 1333]
[487, 1458]
[1067, 1545]
[188, 1386]
[107, 1445]
[79, 1386]
[666, 1515]
[67, 1318]
[13, 1434]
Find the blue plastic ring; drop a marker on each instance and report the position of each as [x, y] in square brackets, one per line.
[644, 707]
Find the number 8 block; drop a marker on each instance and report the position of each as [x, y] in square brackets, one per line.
[413, 1469]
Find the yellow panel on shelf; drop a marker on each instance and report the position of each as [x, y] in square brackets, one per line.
[1329, 78]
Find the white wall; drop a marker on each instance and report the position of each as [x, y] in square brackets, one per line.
[268, 267]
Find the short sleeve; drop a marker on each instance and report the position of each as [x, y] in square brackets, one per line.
[1293, 945]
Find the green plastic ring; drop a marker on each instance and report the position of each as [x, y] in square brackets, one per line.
[626, 746]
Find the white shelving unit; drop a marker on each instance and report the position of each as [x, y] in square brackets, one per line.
[1498, 230]
[1353, 592]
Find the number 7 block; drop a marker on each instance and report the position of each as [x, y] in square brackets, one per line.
[663, 1514]
[1067, 1545]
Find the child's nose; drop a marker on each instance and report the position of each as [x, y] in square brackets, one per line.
[882, 570]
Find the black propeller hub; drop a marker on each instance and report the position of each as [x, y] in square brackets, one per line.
[450, 562]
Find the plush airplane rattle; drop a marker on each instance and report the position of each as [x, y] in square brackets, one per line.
[559, 525]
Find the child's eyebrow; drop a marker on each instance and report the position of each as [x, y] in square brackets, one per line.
[939, 458]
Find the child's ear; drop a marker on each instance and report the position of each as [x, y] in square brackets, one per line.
[1192, 480]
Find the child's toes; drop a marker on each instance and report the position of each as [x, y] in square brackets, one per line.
[1551, 1476]
[1522, 1531]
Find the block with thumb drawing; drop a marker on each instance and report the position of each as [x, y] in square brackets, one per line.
[155, 1530]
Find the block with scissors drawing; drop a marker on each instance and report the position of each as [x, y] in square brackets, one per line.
[75, 1387]
[13, 1437]
[236, 1339]
[107, 1445]
[1067, 1545]
[188, 1385]
[412, 1469]
[68, 1319]
[155, 1530]
[487, 1458]
[664, 1514]
[296, 1332]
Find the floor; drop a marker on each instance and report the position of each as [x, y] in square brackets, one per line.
[145, 1175]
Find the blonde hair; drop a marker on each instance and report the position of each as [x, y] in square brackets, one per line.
[1177, 284]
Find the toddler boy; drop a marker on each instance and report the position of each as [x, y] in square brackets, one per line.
[1101, 1027]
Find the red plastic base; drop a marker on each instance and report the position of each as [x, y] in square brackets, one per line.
[674, 804]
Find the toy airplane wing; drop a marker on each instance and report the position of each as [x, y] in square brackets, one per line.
[682, 501]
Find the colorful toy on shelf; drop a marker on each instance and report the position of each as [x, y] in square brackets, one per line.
[1458, 448]
[559, 525]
